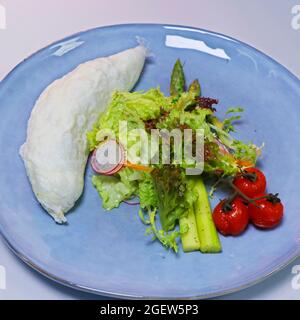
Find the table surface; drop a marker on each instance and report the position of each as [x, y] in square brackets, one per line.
[33, 24]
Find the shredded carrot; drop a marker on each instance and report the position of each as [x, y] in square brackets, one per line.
[244, 163]
[138, 167]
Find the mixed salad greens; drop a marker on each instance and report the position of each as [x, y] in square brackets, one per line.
[165, 191]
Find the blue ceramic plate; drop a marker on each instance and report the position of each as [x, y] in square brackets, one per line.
[108, 253]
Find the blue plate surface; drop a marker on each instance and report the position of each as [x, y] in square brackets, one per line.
[107, 252]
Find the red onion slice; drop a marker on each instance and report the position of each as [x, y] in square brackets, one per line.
[131, 203]
[108, 169]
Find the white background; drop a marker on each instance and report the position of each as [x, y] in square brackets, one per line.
[32, 24]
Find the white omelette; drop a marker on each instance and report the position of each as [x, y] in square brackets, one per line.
[55, 152]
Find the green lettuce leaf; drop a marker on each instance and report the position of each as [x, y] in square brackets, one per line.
[167, 239]
[134, 108]
[112, 190]
[170, 186]
[147, 193]
[245, 151]
[228, 123]
[123, 186]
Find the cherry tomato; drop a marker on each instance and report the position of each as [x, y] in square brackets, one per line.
[251, 182]
[231, 218]
[266, 213]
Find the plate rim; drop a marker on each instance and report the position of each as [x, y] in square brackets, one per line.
[128, 296]
[293, 255]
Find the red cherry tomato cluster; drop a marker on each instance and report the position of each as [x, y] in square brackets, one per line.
[232, 216]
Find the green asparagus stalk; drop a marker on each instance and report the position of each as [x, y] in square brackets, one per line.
[177, 79]
[195, 88]
[207, 233]
[190, 241]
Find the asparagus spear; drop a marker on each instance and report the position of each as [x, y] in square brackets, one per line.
[177, 79]
[208, 236]
[190, 241]
[195, 88]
